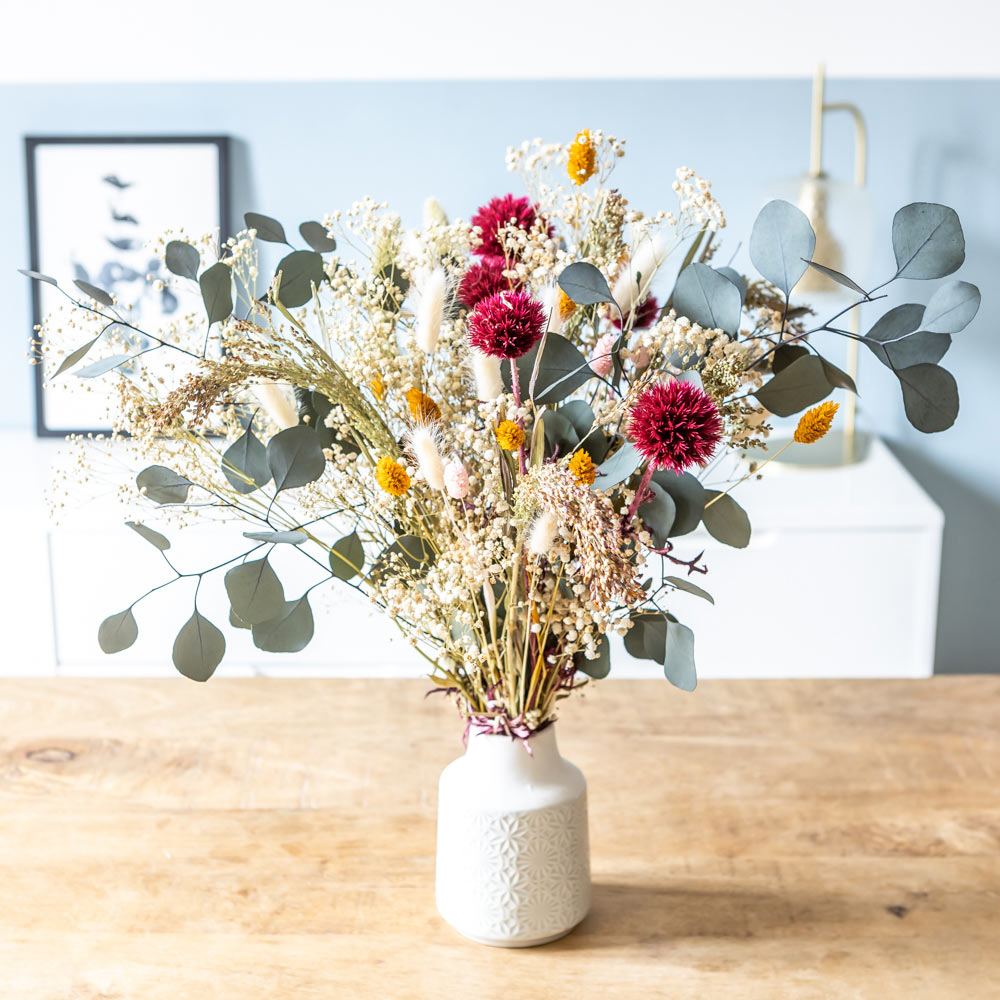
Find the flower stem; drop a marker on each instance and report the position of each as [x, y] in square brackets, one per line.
[755, 472]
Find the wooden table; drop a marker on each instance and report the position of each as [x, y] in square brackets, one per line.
[274, 839]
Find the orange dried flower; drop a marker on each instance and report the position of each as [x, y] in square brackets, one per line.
[566, 306]
[582, 158]
[509, 435]
[423, 408]
[583, 468]
[391, 476]
[814, 423]
[377, 387]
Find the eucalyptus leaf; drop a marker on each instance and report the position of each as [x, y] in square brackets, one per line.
[411, 551]
[217, 292]
[584, 284]
[236, 621]
[300, 270]
[347, 557]
[102, 367]
[708, 298]
[198, 648]
[151, 536]
[678, 661]
[918, 348]
[295, 457]
[689, 588]
[731, 274]
[560, 435]
[618, 467]
[646, 638]
[898, 322]
[394, 278]
[927, 240]
[725, 520]
[269, 230]
[597, 445]
[580, 415]
[562, 369]
[315, 234]
[658, 514]
[117, 632]
[689, 499]
[163, 485]
[277, 537]
[930, 397]
[837, 378]
[795, 388]
[599, 667]
[97, 294]
[287, 632]
[952, 308]
[182, 259]
[785, 355]
[254, 590]
[244, 463]
[836, 276]
[38, 276]
[781, 243]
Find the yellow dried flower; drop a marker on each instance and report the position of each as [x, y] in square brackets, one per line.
[582, 158]
[510, 436]
[566, 306]
[423, 408]
[814, 423]
[391, 476]
[377, 387]
[583, 468]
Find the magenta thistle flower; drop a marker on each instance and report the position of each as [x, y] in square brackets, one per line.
[645, 315]
[675, 425]
[483, 279]
[506, 324]
[498, 214]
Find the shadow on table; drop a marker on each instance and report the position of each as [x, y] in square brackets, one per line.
[672, 911]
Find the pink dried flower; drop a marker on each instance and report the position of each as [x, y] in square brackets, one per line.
[645, 315]
[601, 361]
[483, 279]
[507, 324]
[456, 480]
[675, 425]
[498, 214]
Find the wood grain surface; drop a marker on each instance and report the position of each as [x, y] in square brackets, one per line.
[274, 839]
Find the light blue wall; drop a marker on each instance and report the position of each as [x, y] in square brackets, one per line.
[302, 149]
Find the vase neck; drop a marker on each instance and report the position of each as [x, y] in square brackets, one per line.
[523, 757]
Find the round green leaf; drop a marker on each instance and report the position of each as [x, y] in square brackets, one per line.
[300, 270]
[244, 463]
[930, 397]
[410, 551]
[731, 274]
[918, 348]
[347, 557]
[689, 588]
[117, 632]
[678, 660]
[315, 234]
[781, 243]
[163, 485]
[97, 294]
[646, 639]
[618, 467]
[726, 521]
[796, 387]
[287, 632]
[295, 457]
[927, 240]
[708, 298]
[580, 415]
[254, 590]
[596, 668]
[182, 259]
[561, 370]
[689, 499]
[217, 292]
[269, 230]
[198, 648]
[584, 284]
[952, 307]
[658, 514]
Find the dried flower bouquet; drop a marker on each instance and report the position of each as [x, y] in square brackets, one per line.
[492, 429]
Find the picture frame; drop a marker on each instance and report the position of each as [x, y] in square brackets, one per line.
[93, 203]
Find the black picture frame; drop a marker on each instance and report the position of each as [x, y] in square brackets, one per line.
[31, 145]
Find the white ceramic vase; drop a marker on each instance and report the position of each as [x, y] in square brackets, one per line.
[513, 858]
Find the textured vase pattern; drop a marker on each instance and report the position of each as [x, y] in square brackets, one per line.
[518, 876]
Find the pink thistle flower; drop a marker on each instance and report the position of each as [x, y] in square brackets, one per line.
[456, 479]
[675, 425]
[601, 361]
[645, 315]
[506, 325]
[498, 214]
[483, 279]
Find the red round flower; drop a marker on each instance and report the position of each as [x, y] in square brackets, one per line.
[506, 324]
[483, 279]
[675, 425]
[498, 214]
[645, 315]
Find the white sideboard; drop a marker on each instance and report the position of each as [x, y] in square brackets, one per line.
[840, 579]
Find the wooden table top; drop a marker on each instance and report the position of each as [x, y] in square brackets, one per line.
[274, 839]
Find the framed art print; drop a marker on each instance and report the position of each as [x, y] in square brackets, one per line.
[95, 203]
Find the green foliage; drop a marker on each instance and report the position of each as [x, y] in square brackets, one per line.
[97, 294]
[300, 271]
[103, 366]
[725, 520]
[289, 631]
[930, 397]
[347, 557]
[708, 298]
[295, 458]
[314, 233]
[277, 537]
[254, 590]
[681, 583]
[412, 551]
[927, 240]
[77, 355]
[618, 468]
[951, 308]
[153, 537]
[836, 276]
[217, 292]
[244, 463]
[198, 648]
[599, 667]
[781, 243]
[182, 259]
[689, 499]
[561, 370]
[658, 514]
[163, 485]
[654, 636]
[269, 230]
[584, 284]
[796, 387]
[117, 632]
